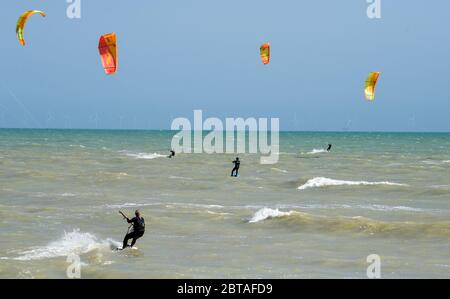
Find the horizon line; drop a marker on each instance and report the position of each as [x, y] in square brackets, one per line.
[169, 130]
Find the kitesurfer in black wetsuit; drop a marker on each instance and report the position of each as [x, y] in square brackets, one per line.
[172, 154]
[235, 170]
[329, 147]
[138, 229]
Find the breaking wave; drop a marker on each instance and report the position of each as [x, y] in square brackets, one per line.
[74, 242]
[145, 156]
[267, 213]
[319, 182]
[317, 151]
[335, 224]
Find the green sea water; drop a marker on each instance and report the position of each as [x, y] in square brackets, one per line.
[314, 214]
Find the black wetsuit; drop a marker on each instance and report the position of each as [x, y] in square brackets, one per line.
[172, 154]
[235, 170]
[138, 231]
[329, 147]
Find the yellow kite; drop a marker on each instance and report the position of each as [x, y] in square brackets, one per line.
[22, 21]
[371, 82]
[265, 53]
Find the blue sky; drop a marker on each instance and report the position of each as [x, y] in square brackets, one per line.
[181, 55]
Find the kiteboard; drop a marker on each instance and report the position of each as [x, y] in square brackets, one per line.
[126, 248]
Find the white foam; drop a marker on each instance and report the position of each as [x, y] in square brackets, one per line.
[194, 205]
[347, 206]
[145, 156]
[279, 170]
[174, 177]
[267, 213]
[390, 208]
[167, 205]
[128, 205]
[67, 194]
[319, 182]
[317, 151]
[79, 145]
[218, 213]
[74, 242]
[436, 162]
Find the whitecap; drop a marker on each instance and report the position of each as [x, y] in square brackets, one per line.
[436, 162]
[317, 151]
[390, 208]
[267, 213]
[194, 205]
[218, 213]
[319, 182]
[146, 156]
[74, 242]
[128, 205]
[67, 194]
[79, 145]
[279, 170]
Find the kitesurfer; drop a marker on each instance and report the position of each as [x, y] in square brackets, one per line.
[235, 170]
[172, 154]
[329, 147]
[138, 228]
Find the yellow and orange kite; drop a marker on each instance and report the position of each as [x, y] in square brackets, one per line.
[107, 47]
[370, 85]
[265, 53]
[22, 21]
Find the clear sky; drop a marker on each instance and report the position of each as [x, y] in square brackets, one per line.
[179, 55]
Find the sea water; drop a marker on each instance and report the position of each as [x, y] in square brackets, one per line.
[314, 214]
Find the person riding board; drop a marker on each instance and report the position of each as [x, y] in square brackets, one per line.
[329, 147]
[138, 231]
[237, 164]
[172, 154]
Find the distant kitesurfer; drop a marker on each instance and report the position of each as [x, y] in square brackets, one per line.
[329, 147]
[172, 154]
[138, 228]
[235, 170]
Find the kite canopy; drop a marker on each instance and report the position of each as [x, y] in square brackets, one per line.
[107, 48]
[371, 82]
[265, 53]
[22, 21]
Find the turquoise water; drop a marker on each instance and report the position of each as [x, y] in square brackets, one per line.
[313, 214]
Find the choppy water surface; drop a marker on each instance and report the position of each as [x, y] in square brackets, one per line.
[314, 214]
